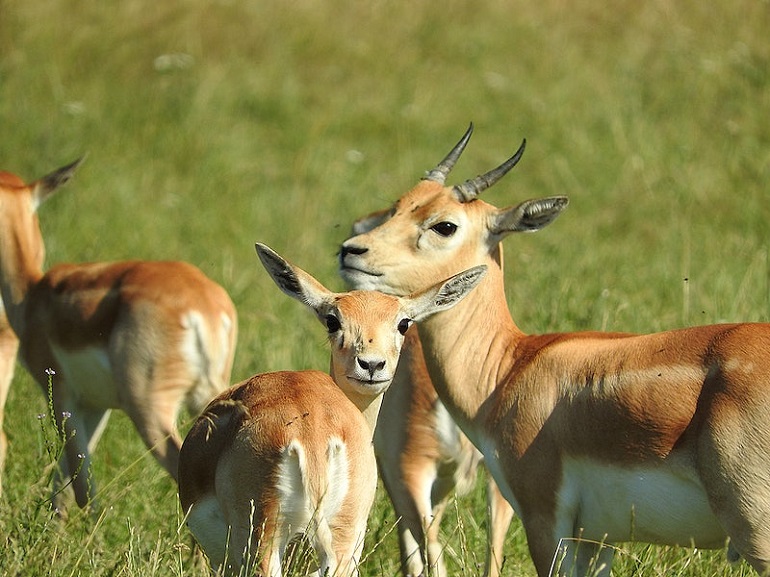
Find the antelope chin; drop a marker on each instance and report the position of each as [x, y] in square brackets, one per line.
[359, 278]
[367, 386]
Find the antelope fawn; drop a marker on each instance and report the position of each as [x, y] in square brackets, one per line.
[592, 437]
[140, 336]
[291, 452]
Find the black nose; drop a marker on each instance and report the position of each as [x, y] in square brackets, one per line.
[371, 366]
[351, 249]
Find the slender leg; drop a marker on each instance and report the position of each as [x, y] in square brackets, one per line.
[82, 430]
[9, 346]
[409, 515]
[435, 550]
[500, 515]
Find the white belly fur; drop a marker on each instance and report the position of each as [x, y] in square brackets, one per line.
[94, 386]
[663, 504]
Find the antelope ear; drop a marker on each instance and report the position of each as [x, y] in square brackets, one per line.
[370, 221]
[292, 280]
[529, 216]
[444, 295]
[45, 186]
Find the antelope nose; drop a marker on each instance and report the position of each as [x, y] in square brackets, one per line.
[371, 366]
[346, 249]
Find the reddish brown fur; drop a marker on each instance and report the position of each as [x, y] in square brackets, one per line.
[158, 334]
[251, 424]
[98, 293]
[682, 415]
[294, 453]
[9, 180]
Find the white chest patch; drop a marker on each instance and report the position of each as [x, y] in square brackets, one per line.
[89, 376]
[662, 504]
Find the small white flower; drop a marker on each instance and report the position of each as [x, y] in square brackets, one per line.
[174, 61]
[354, 156]
[75, 108]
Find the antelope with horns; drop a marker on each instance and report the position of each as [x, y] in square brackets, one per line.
[424, 458]
[592, 437]
[144, 337]
[291, 452]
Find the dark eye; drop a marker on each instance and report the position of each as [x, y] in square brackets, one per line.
[444, 228]
[332, 324]
[404, 325]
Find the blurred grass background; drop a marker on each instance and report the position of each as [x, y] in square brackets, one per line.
[212, 125]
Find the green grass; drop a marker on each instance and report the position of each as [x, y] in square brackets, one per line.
[282, 122]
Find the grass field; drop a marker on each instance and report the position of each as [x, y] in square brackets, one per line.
[212, 125]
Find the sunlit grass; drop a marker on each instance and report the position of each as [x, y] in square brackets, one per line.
[212, 125]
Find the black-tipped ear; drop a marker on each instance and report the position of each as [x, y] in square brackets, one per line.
[444, 295]
[291, 279]
[279, 270]
[46, 185]
[530, 215]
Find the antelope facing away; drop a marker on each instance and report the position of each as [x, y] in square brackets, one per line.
[144, 337]
[291, 452]
[592, 437]
[424, 458]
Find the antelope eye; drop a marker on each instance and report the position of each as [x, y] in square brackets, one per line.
[403, 325]
[444, 228]
[332, 324]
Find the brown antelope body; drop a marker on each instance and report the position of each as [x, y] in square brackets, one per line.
[592, 437]
[291, 452]
[424, 458]
[144, 337]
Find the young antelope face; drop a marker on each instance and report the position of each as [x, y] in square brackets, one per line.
[366, 332]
